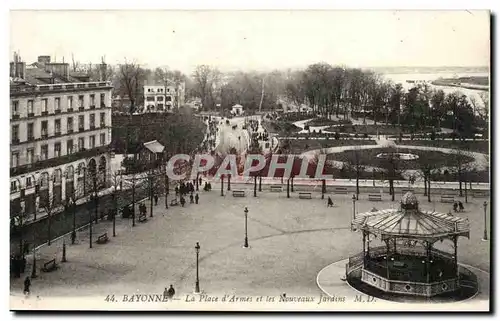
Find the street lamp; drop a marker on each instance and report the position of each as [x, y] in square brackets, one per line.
[353, 206]
[197, 285]
[485, 236]
[246, 229]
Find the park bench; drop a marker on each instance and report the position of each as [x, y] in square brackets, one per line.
[49, 266]
[375, 197]
[102, 239]
[174, 202]
[238, 193]
[143, 218]
[276, 188]
[406, 190]
[480, 194]
[447, 199]
[305, 195]
[340, 190]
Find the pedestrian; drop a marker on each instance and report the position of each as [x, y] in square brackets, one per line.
[460, 206]
[200, 180]
[330, 202]
[176, 190]
[196, 198]
[73, 237]
[171, 292]
[27, 284]
[191, 198]
[455, 207]
[183, 201]
[156, 199]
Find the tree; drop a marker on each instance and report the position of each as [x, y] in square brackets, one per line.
[354, 163]
[392, 168]
[50, 205]
[206, 83]
[460, 160]
[131, 79]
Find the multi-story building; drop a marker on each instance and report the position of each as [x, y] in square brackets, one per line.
[60, 127]
[159, 98]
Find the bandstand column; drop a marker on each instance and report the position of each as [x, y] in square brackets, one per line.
[364, 254]
[387, 256]
[455, 242]
[427, 261]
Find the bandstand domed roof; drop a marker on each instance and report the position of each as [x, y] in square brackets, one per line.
[408, 221]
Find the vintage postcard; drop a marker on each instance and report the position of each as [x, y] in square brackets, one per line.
[250, 160]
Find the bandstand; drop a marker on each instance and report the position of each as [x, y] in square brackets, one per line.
[408, 261]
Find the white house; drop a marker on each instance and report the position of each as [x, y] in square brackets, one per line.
[237, 110]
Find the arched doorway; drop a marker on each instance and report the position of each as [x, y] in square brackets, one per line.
[92, 174]
[81, 178]
[43, 189]
[70, 181]
[102, 171]
[57, 188]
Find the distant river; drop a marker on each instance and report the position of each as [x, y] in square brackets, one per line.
[402, 78]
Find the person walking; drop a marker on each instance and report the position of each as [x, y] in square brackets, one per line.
[156, 199]
[330, 202]
[170, 292]
[183, 201]
[191, 198]
[27, 285]
[196, 198]
[200, 181]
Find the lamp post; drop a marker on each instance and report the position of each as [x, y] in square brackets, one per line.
[246, 228]
[485, 236]
[197, 285]
[353, 206]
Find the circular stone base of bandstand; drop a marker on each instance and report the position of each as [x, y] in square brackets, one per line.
[332, 281]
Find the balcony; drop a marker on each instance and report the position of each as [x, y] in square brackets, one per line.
[81, 129]
[57, 134]
[81, 108]
[70, 130]
[103, 105]
[15, 140]
[92, 127]
[57, 111]
[57, 161]
[30, 138]
[45, 135]
[103, 125]
[45, 113]
[31, 115]
[15, 117]
[69, 110]
[92, 106]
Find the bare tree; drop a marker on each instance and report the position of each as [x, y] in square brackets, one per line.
[50, 205]
[355, 165]
[131, 78]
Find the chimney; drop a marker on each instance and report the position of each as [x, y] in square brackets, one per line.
[102, 71]
[12, 69]
[20, 69]
[44, 60]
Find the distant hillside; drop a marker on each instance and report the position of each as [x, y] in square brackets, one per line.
[429, 70]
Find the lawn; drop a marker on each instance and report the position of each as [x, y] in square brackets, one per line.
[298, 146]
[327, 122]
[280, 127]
[372, 129]
[368, 157]
[474, 146]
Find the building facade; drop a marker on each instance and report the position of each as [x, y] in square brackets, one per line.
[159, 98]
[60, 131]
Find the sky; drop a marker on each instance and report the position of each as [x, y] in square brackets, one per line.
[255, 40]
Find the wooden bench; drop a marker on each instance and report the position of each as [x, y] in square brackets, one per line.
[375, 197]
[447, 199]
[480, 194]
[238, 193]
[49, 266]
[305, 195]
[102, 239]
[276, 188]
[340, 190]
[143, 218]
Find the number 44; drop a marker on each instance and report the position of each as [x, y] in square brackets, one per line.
[110, 298]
